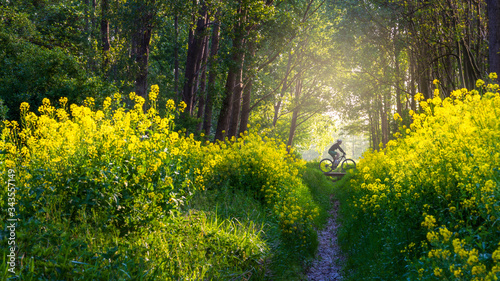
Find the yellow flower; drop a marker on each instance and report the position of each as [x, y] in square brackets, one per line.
[107, 103]
[170, 105]
[479, 83]
[397, 117]
[155, 90]
[435, 82]
[493, 76]
[182, 106]
[438, 271]
[24, 107]
[63, 101]
[9, 164]
[419, 97]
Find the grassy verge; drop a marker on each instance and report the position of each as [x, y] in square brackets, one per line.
[221, 234]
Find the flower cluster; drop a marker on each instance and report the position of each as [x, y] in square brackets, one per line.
[438, 187]
[123, 163]
[263, 167]
[131, 167]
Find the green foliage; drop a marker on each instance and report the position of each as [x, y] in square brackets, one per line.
[192, 246]
[32, 71]
[109, 194]
[426, 207]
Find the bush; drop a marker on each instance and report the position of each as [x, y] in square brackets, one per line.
[262, 167]
[426, 207]
[124, 165]
[125, 176]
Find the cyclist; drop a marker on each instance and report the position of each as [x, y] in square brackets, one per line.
[332, 151]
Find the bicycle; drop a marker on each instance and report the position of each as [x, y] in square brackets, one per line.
[326, 165]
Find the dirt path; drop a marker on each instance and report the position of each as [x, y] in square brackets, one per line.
[326, 266]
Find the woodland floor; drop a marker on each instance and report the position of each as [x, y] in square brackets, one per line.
[327, 264]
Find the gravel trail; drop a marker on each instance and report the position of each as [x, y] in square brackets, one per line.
[327, 264]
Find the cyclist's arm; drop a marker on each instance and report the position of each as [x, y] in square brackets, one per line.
[341, 150]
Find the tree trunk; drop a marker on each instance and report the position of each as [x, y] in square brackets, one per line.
[176, 54]
[399, 106]
[232, 76]
[199, 66]
[232, 91]
[203, 84]
[285, 86]
[295, 114]
[383, 118]
[105, 34]
[237, 94]
[374, 128]
[225, 110]
[193, 57]
[212, 74]
[245, 107]
[493, 10]
[413, 79]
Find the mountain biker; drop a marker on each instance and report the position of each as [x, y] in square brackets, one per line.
[332, 151]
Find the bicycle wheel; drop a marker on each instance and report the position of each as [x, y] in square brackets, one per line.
[326, 165]
[348, 164]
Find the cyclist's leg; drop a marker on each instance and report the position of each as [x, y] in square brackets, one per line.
[334, 155]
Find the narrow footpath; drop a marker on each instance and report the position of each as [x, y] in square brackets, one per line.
[327, 265]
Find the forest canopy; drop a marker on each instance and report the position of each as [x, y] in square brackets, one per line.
[285, 65]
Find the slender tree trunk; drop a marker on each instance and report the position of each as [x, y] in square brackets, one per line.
[105, 34]
[245, 106]
[176, 53]
[493, 10]
[295, 114]
[237, 95]
[399, 106]
[284, 88]
[374, 128]
[413, 79]
[233, 81]
[238, 87]
[383, 118]
[142, 38]
[194, 50]
[225, 111]
[212, 74]
[203, 84]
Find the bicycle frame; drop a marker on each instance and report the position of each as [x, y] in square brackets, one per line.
[327, 165]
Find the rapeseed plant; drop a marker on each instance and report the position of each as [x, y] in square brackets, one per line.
[435, 186]
[131, 172]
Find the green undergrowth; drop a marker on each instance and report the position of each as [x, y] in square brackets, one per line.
[322, 189]
[192, 246]
[426, 206]
[222, 234]
[281, 261]
[116, 194]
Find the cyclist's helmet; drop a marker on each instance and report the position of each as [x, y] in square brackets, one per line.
[339, 141]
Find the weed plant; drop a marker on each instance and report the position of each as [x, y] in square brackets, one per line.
[427, 206]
